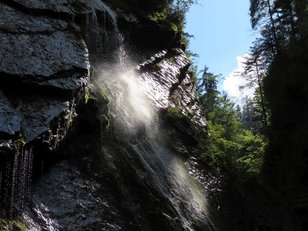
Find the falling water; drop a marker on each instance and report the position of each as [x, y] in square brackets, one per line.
[101, 33]
[16, 177]
[143, 159]
[154, 183]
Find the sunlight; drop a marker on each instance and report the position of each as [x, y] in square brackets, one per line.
[136, 97]
[197, 200]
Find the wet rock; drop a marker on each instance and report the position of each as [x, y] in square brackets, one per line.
[167, 84]
[160, 73]
[46, 118]
[80, 203]
[10, 121]
[62, 8]
[59, 6]
[40, 57]
[14, 21]
[44, 69]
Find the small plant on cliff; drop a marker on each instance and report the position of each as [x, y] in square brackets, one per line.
[19, 142]
[174, 112]
[170, 13]
[17, 224]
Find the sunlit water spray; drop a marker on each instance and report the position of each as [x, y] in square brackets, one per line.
[135, 118]
[131, 112]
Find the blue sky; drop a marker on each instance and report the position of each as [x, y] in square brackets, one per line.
[222, 34]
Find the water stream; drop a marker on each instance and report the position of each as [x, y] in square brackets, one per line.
[153, 184]
[143, 160]
[15, 180]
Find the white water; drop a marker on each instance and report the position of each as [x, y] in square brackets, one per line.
[16, 176]
[142, 157]
[135, 123]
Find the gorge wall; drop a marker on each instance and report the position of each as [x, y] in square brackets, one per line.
[44, 72]
[66, 121]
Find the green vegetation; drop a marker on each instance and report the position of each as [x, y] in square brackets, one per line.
[230, 146]
[87, 95]
[101, 95]
[193, 73]
[96, 99]
[19, 142]
[169, 14]
[175, 112]
[282, 56]
[17, 224]
[96, 93]
[263, 146]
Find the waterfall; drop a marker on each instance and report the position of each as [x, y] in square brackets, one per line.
[150, 175]
[151, 182]
[152, 165]
[15, 180]
[100, 31]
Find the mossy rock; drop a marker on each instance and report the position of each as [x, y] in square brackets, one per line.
[19, 142]
[14, 224]
[175, 113]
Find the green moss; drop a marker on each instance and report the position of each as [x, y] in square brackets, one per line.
[87, 96]
[175, 113]
[19, 142]
[101, 99]
[96, 94]
[16, 224]
[102, 96]
[158, 16]
[156, 67]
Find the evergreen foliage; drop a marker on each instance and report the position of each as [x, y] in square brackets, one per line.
[229, 146]
[283, 52]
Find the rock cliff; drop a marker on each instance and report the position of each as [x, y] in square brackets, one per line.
[45, 70]
[52, 111]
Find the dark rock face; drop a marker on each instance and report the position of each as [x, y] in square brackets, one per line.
[79, 204]
[39, 58]
[10, 122]
[44, 70]
[60, 6]
[42, 56]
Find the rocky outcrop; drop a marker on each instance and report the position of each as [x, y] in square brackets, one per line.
[168, 84]
[41, 59]
[44, 69]
[110, 183]
[126, 177]
[76, 192]
[44, 62]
